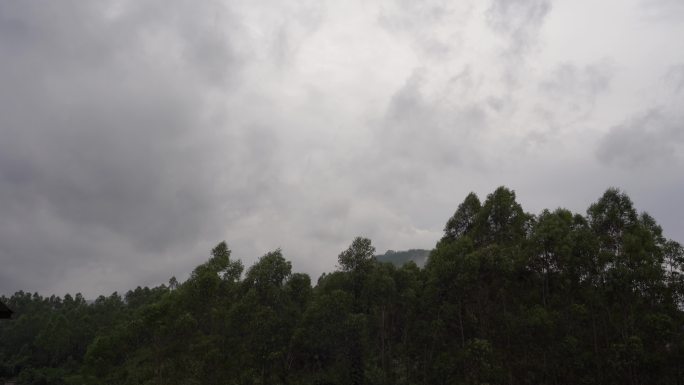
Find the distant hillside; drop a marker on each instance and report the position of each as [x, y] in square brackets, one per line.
[398, 258]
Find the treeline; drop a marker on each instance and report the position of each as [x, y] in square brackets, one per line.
[506, 297]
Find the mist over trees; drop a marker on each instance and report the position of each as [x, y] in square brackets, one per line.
[506, 297]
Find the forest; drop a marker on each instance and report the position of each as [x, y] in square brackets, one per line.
[505, 297]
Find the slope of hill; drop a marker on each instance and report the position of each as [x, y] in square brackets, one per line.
[398, 258]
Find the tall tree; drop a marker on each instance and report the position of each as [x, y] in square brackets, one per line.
[358, 256]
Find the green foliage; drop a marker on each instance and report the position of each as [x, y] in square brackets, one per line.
[358, 256]
[463, 220]
[505, 298]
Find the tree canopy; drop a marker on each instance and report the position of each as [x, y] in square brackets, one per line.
[506, 297]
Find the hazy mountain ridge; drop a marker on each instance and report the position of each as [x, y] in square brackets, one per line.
[399, 258]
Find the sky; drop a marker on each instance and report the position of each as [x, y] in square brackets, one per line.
[136, 135]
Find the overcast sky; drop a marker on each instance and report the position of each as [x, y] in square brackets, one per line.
[135, 135]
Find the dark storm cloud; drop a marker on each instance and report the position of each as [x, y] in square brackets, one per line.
[652, 138]
[107, 146]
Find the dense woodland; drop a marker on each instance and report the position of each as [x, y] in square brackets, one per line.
[505, 297]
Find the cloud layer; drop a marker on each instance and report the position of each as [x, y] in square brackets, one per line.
[135, 136]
